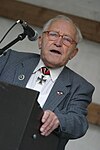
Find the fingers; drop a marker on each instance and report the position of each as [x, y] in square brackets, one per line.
[50, 122]
[45, 116]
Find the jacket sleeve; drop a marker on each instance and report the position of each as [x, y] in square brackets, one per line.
[72, 117]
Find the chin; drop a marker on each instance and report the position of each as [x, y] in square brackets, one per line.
[50, 62]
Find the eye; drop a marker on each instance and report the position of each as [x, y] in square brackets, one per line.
[53, 34]
[67, 39]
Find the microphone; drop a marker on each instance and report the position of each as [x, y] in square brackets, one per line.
[32, 34]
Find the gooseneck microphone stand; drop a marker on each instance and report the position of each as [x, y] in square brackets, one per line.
[19, 38]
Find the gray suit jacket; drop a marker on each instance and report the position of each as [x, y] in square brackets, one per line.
[69, 97]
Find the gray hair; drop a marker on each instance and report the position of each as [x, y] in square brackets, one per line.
[63, 17]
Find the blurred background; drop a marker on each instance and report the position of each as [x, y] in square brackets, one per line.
[86, 14]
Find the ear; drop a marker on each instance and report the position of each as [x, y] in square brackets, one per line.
[73, 54]
[40, 41]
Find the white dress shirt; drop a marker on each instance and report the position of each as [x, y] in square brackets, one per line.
[47, 85]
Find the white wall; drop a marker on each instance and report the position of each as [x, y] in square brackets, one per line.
[91, 141]
[86, 63]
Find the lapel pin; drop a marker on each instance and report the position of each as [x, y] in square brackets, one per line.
[60, 93]
[21, 77]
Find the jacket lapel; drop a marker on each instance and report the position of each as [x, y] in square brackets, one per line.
[24, 70]
[59, 91]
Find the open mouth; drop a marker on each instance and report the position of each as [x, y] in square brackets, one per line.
[55, 51]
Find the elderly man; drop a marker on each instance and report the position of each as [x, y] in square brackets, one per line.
[64, 95]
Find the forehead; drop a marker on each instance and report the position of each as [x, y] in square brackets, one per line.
[63, 26]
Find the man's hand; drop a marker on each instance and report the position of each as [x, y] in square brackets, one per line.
[50, 122]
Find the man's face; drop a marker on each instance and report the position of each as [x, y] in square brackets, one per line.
[55, 53]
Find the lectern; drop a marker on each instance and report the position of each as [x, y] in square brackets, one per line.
[20, 120]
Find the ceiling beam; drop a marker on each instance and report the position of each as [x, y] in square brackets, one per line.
[94, 114]
[37, 16]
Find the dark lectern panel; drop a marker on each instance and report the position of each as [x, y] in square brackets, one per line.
[20, 116]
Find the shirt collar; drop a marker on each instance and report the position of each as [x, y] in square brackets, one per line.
[40, 64]
[54, 73]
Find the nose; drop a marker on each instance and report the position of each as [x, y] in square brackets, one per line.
[58, 42]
